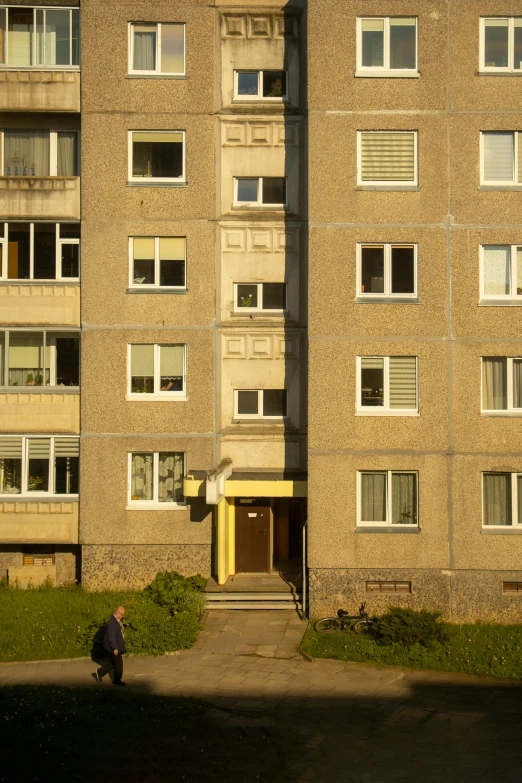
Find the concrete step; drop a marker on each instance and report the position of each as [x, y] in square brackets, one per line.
[247, 596]
[254, 605]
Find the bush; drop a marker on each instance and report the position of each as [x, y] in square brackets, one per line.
[409, 627]
[177, 593]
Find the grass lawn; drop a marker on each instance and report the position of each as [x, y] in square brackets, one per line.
[58, 734]
[68, 623]
[485, 650]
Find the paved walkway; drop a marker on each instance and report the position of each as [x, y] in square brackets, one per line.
[351, 723]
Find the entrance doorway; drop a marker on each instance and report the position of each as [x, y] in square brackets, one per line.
[253, 535]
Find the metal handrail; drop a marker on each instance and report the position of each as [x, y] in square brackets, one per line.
[304, 569]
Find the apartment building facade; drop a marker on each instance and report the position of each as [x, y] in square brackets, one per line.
[293, 215]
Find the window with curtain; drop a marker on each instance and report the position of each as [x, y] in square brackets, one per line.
[387, 271]
[387, 385]
[501, 499]
[48, 358]
[157, 49]
[40, 153]
[157, 478]
[158, 262]
[157, 370]
[387, 498]
[40, 37]
[501, 272]
[158, 155]
[501, 44]
[387, 44]
[501, 384]
[31, 465]
[500, 150]
[387, 157]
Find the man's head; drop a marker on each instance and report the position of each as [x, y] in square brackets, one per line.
[119, 613]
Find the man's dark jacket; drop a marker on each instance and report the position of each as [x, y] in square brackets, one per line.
[113, 639]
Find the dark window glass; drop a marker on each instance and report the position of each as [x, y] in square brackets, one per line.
[403, 270]
[172, 273]
[496, 45]
[274, 84]
[248, 83]
[372, 270]
[372, 382]
[274, 402]
[18, 253]
[68, 361]
[274, 296]
[247, 296]
[66, 475]
[518, 48]
[70, 260]
[157, 159]
[38, 479]
[247, 190]
[274, 190]
[70, 230]
[402, 46]
[373, 43]
[44, 251]
[144, 270]
[247, 402]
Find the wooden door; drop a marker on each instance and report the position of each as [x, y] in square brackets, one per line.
[252, 535]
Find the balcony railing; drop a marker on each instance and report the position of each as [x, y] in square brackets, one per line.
[32, 91]
[40, 197]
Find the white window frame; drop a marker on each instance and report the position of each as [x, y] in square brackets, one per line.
[25, 495]
[495, 183]
[259, 308]
[385, 70]
[157, 71]
[257, 98]
[151, 181]
[48, 339]
[259, 414]
[259, 202]
[385, 410]
[39, 66]
[157, 395]
[510, 409]
[154, 504]
[154, 286]
[53, 151]
[514, 499]
[388, 522]
[391, 184]
[387, 294]
[510, 68]
[511, 297]
[60, 242]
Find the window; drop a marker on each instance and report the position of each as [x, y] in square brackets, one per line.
[157, 155]
[500, 163]
[156, 479]
[39, 465]
[45, 557]
[157, 262]
[31, 358]
[258, 297]
[40, 153]
[39, 251]
[512, 588]
[386, 46]
[501, 384]
[388, 587]
[249, 85]
[501, 272]
[387, 158]
[387, 498]
[387, 385]
[260, 191]
[157, 49]
[157, 370]
[36, 37]
[501, 499]
[260, 403]
[386, 271]
[501, 45]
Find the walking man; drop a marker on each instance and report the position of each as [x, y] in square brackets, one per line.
[114, 643]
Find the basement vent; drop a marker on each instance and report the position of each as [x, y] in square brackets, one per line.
[512, 587]
[38, 560]
[388, 587]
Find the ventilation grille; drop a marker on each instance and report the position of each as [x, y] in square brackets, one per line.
[388, 587]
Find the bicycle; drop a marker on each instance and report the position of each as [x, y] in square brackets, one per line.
[359, 623]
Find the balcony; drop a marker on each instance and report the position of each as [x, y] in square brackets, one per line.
[42, 304]
[38, 522]
[35, 91]
[42, 411]
[43, 198]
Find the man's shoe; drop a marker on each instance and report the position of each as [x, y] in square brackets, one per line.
[120, 684]
[96, 676]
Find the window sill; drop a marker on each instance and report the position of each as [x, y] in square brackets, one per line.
[391, 413]
[281, 421]
[501, 531]
[388, 188]
[388, 529]
[249, 206]
[245, 313]
[374, 74]
[498, 72]
[386, 300]
[40, 389]
[500, 188]
[501, 302]
[501, 414]
[37, 497]
[157, 184]
[257, 99]
[156, 507]
[155, 398]
[154, 291]
[181, 77]
[72, 281]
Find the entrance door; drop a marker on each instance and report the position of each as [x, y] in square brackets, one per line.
[252, 535]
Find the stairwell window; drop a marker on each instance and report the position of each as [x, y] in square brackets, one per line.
[387, 498]
[260, 191]
[157, 371]
[256, 85]
[39, 251]
[387, 158]
[39, 37]
[387, 386]
[501, 45]
[501, 273]
[158, 262]
[156, 480]
[501, 385]
[39, 466]
[500, 162]
[157, 49]
[501, 499]
[30, 359]
[386, 271]
[40, 153]
[260, 403]
[259, 297]
[387, 46]
[157, 157]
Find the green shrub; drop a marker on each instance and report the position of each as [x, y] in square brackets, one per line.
[409, 627]
[177, 593]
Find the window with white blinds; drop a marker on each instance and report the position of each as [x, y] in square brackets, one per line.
[501, 163]
[387, 157]
[37, 465]
[387, 385]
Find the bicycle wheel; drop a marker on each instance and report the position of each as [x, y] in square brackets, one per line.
[363, 626]
[327, 625]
